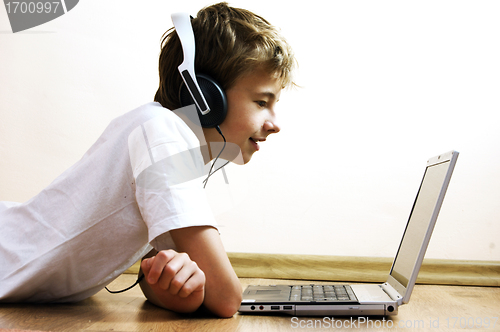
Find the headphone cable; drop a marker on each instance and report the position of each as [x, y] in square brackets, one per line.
[139, 279]
[210, 173]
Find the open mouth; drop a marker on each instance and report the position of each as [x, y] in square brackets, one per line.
[255, 143]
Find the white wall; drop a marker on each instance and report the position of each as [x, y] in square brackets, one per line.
[385, 85]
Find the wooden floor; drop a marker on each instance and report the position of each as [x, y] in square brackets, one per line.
[432, 308]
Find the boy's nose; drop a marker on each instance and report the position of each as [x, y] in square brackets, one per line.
[272, 127]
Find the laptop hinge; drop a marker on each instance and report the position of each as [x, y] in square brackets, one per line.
[393, 294]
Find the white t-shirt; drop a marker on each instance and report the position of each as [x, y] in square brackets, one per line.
[142, 178]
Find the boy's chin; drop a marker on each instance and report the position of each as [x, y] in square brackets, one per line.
[242, 160]
[245, 161]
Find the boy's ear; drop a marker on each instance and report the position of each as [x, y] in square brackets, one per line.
[201, 90]
[215, 97]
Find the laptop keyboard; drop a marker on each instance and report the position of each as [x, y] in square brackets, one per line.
[322, 293]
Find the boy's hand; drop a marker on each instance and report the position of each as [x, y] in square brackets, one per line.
[176, 280]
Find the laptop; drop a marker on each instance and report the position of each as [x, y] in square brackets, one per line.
[367, 299]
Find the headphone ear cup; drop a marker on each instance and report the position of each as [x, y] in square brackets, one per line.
[215, 97]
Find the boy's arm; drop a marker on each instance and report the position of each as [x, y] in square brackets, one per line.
[222, 292]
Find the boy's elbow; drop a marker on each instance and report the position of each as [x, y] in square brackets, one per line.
[227, 307]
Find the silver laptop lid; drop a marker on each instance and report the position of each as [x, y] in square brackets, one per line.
[422, 219]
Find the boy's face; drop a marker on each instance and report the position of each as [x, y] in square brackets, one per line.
[251, 111]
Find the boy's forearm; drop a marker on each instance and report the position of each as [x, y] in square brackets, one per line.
[222, 288]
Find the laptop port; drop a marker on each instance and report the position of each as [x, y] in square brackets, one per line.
[287, 307]
[275, 307]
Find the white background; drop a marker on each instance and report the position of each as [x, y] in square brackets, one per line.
[384, 86]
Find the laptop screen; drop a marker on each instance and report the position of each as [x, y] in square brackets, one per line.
[419, 222]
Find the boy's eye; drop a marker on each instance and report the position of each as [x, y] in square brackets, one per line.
[261, 103]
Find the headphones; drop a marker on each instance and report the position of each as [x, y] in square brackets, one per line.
[199, 89]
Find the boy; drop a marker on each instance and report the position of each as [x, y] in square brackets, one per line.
[123, 200]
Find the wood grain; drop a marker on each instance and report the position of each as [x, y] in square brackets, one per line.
[431, 308]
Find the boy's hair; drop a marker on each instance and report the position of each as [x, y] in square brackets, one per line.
[230, 42]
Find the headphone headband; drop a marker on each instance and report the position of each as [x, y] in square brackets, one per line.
[184, 29]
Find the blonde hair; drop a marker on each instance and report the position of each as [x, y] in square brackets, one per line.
[230, 42]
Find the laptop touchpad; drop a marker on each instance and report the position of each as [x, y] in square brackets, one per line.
[274, 293]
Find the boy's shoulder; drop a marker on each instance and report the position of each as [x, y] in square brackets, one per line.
[154, 125]
[147, 112]
[148, 115]
[159, 124]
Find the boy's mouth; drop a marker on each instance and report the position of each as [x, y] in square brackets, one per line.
[255, 142]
